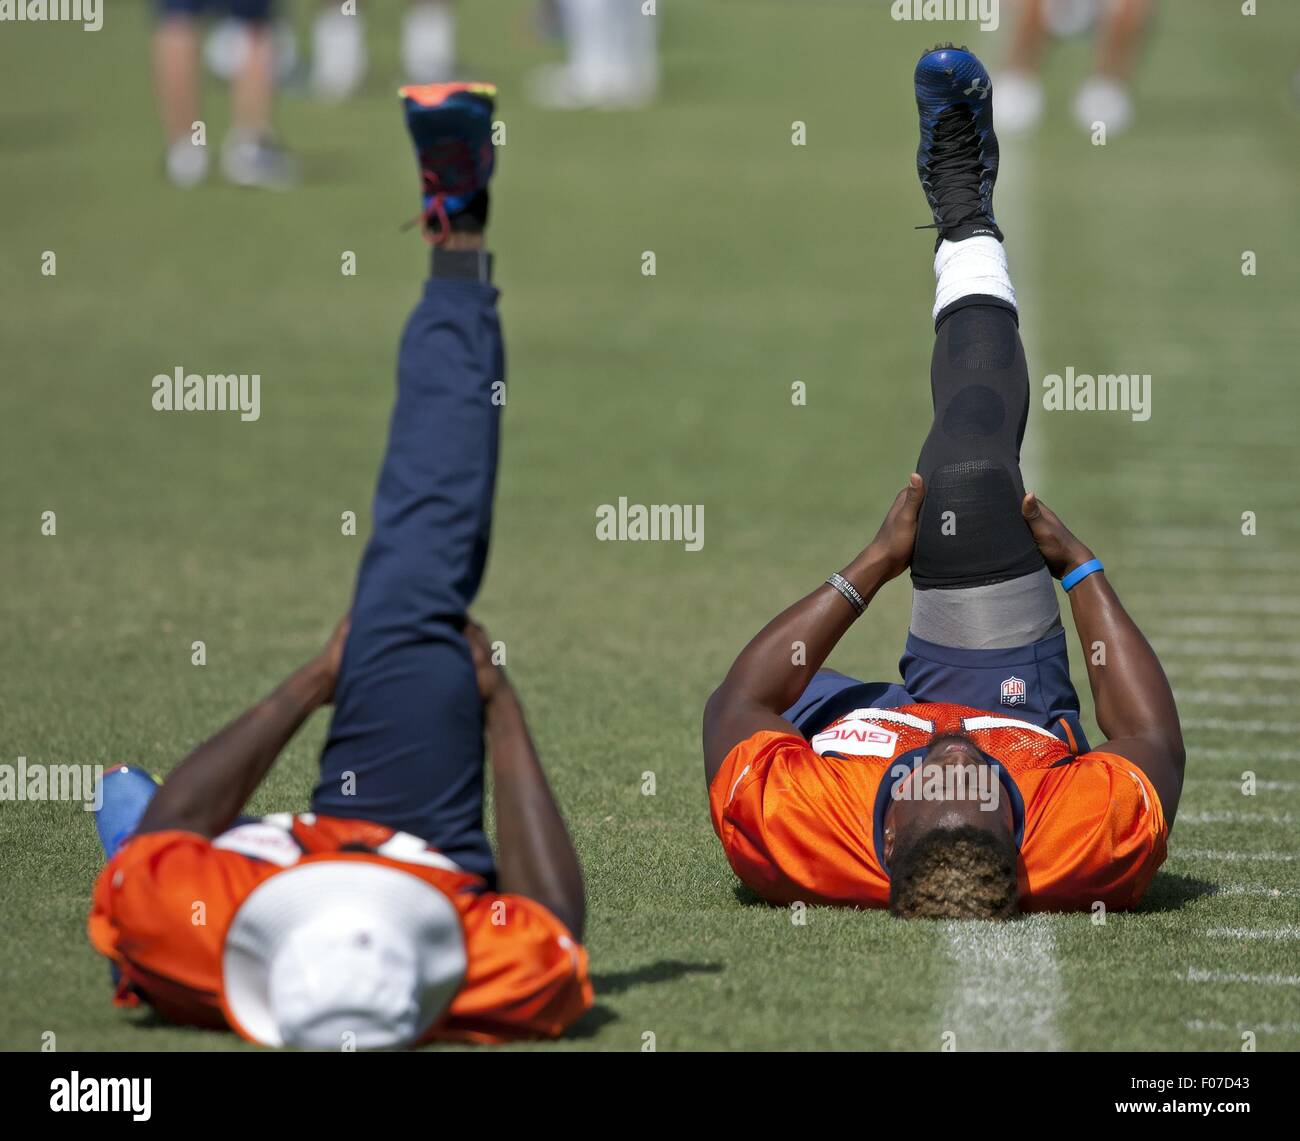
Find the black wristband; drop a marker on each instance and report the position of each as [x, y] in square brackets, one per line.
[461, 265]
[850, 592]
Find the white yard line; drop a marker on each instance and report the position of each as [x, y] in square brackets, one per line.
[1008, 988]
[1288, 756]
[1233, 782]
[1231, 671]
[1230, 856]
[1197, 975]
[1215, 1026]
[1154, 557]
[1253, 934]
[1193, 539]
[1257, 890]
[1227, 625]
[1235, 726]
[1233, 817]
[1223, 648]
[1213, 602]
[1232, 699]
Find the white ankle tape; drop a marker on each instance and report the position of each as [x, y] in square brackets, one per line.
[977, 265]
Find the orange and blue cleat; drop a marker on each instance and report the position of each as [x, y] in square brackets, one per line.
[451, 127]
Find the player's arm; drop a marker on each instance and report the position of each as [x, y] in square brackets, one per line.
[208, 789]
[535, 855]
[1134, 703]
[769, 675]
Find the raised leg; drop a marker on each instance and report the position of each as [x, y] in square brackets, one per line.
[405, 748]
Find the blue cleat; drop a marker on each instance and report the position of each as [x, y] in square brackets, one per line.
[124, 794]
[958, 157]
[451, 127]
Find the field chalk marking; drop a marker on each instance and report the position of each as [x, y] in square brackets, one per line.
[1008, 987]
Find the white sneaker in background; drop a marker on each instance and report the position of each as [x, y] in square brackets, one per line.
[338, 55]
[186, 163]
[227, 43]
[1017, 102]
[559, 87]
[612, 60]
[1105, 100]
[429, 42]
[257, 161]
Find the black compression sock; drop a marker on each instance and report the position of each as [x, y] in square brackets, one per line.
[971, 532]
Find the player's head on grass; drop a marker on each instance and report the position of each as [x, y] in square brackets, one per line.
[949, 838]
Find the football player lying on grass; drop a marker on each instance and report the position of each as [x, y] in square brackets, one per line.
[968, 791]
[378, 918]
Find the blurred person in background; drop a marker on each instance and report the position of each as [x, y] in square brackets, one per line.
[250, 155]
[611, 51]
[611, 60]
[339, 56]
[1105, 95]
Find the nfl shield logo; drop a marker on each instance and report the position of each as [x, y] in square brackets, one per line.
[1013, 691]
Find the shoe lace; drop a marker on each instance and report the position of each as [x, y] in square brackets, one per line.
[955, 169]
[446, 168]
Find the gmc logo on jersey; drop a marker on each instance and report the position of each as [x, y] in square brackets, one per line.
[857, 739]
[1013, 691]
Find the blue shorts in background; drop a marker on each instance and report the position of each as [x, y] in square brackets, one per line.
[257, 11]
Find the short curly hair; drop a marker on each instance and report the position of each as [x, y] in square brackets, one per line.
[954, 873]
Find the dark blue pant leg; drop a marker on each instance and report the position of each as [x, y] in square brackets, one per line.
[405, 748]
[831, 695]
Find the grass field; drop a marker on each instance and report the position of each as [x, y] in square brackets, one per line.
[775, 263]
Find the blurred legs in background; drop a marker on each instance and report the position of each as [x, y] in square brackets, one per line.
[339, 55]
[1104, 96]
[250, 155]
[612, 57]
[611, 51]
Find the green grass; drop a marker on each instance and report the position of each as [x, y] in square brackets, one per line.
[775, 263]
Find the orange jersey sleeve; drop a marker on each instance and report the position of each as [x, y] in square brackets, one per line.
[160, 910]
[527, 976]
[1094, 831]
[797, 826]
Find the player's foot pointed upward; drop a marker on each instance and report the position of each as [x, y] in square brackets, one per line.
[958, 157]
[451, 126]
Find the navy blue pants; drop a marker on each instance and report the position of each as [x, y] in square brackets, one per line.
[405, 747]
[1030, 683]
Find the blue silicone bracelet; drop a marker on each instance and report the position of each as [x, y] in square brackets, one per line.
[1076, 576]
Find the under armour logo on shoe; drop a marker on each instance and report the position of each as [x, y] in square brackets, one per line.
[978, 85]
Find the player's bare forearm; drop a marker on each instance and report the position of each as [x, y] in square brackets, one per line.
[210, 787]
[781, 659]
[1134, 703]
[535, 855]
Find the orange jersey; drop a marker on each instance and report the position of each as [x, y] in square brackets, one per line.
[802, 820]
[162, 905]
